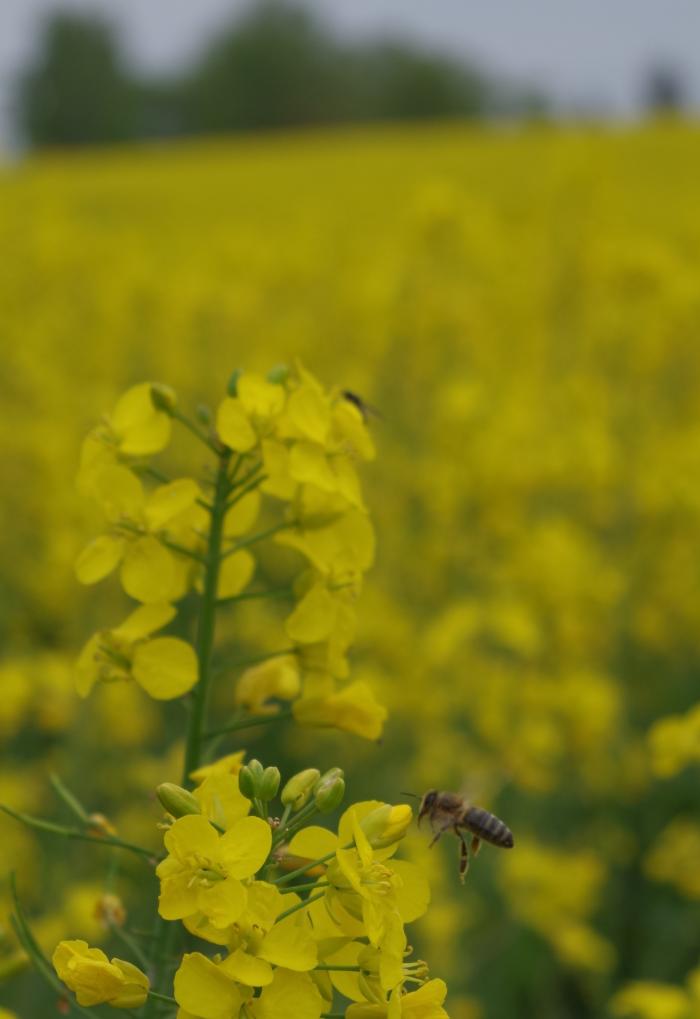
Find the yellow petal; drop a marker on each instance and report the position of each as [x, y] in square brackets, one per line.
[206, 992]
[223, 903]
[259, 397]
[235, 573]
[165, 667]
[191, 835]
[148, 571]
[413, 894]
[144, 620]
[168, 501]
[87, 669]
[353, 709]
[313, 842]
[221, 799]
[313, 617]
[245, 846]
[426, 1002]
[99, 558]
[140, 427]
[246, 969]
[278, 480]
[308, 465]
[242, 515]
[234, 427]
[291, 945]
[119, 492]
[309, 412]
[278, 678]
[289, 994]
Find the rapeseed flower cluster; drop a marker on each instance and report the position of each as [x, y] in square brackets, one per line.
[286, 914]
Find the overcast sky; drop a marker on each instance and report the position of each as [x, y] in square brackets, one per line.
[583, 52]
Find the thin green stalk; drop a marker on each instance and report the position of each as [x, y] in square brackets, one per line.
[69, 798]
[195, 429]
[180, 549]
[249, 723]
[306, 887]
[298, 821]
[284, 525]
[207, 620]
[302, 870]
[273, 592]
[248, 483]
[132, 945]
[29, 944]
[162, 997]
[75, 833]
[300, 905]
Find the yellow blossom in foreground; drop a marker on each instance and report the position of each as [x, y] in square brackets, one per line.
[205, 991]
[165, 667]
[96, 980]
[203, 870]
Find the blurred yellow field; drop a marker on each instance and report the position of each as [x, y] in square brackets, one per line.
[523, 309]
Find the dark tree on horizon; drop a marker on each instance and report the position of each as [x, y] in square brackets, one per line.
[77, 90]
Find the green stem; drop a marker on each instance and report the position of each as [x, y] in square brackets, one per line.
[162, 997]
[302, 870]
[69, 798]
[192, 427]
[247, 484]
[298, 821]
[133, 947]
[249, 723]
[284, 525]
[300, 905]
[207, 619]
[306, 887]
[180, 549]
[274, 592]
[341, 969]
[75, 833]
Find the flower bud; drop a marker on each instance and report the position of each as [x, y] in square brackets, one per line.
[278, 374]
[163, 397]
[323, 983]
[299, 787]
[386, 824]
[329, 790]
[256, 782]
[232, 386]
[248, 778]
[176, 800]
[269, 784]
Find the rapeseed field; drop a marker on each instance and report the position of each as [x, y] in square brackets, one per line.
[522, 308]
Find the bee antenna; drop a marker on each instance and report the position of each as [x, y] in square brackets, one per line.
[414, 795]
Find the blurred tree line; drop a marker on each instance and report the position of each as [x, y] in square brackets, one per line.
[276, 66]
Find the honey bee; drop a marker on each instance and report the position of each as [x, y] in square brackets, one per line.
[451, 812]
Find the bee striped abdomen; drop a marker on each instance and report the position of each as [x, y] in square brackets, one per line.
[488, 827]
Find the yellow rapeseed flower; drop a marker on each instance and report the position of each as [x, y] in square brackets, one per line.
[96, 980]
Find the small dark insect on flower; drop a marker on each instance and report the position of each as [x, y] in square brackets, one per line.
[451, 812]
[365, 409]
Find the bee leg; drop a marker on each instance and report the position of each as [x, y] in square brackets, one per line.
[435, 838]
[476, 845]
[463, 855]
